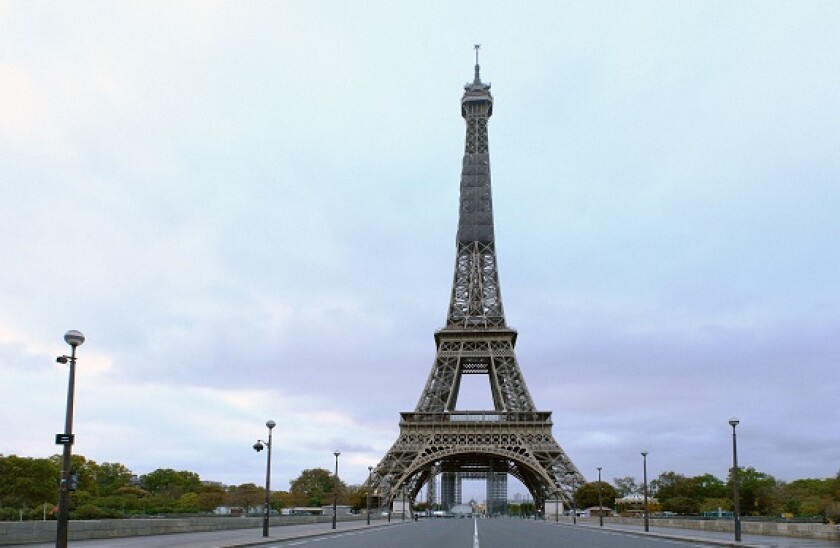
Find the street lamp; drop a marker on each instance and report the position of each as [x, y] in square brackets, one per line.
[733, 422]
[335, 491]
[370, 486]
[645, 490]
[574, 505]
[259, 447]
[600, 501]
[73, 338]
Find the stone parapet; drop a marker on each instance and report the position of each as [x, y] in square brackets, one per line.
[25, 532]
[819, 531]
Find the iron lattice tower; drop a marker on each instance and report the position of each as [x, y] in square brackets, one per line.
[513, 438]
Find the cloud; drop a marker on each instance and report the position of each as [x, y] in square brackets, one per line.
[250, 213]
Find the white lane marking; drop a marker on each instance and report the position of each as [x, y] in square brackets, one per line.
[475, 533]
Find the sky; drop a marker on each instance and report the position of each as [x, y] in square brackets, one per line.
[249, 209]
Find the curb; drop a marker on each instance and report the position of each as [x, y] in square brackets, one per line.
[695, 540]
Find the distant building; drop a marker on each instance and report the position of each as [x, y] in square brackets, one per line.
[634, 505]
[596, 511]
[340, 510]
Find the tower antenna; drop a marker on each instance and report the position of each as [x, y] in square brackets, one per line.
[477, 78]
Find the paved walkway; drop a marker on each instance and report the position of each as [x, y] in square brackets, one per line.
[715, 537]
[231, 538]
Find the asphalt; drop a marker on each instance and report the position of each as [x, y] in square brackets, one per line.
[240, 538]
[710, 538]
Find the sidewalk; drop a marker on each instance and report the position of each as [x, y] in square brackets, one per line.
[714, 538]
[231, 538]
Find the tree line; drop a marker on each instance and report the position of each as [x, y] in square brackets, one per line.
[29, 490]
[760, 494]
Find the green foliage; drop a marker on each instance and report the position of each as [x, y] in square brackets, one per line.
[28, 482]
[29, 490]
[626, 486]
[280, 500]
[315, 487]
[357, 496]
[111, 477]
[522, 509]
[168, 481]
[91, 511]
[211, 497]
[758, 493]
[586, 496]
[246, 496]
[708, 486]
[832, 511]
[714, 504]
[680, 505]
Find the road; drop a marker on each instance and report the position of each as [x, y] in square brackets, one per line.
[485, 533]
[444, 533]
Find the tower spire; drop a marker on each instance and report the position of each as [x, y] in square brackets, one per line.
[477, 79]
[476, 301]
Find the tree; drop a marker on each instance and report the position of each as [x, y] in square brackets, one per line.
[315, 487]
[280, 500]
[669, 485]
[680, 505]
[188, 503]
[171, 483]
[247, 495]
[27, 482]
[758, 491]
[211, 497]
[714, 504]
[111, 476]
[586, 496]
[709, 487]
[357, 496]
[626, 486]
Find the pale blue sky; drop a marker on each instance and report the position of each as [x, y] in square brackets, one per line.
[250, 210]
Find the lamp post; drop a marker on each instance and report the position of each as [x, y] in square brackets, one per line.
[73, 338]
[736, 507]
[370, 486]
[645, 490]
[574, 504]
[335, 490]
[259, 447]
[600, 501]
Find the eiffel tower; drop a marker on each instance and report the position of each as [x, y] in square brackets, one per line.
[512, 439]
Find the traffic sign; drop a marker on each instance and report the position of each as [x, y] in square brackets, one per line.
[64, 439]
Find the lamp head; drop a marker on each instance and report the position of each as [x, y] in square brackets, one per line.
[733, 422]
[644, 453]
[337, 453]
[74, 338]
[271, 424]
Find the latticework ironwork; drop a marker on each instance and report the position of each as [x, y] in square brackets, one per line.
[436, 440]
